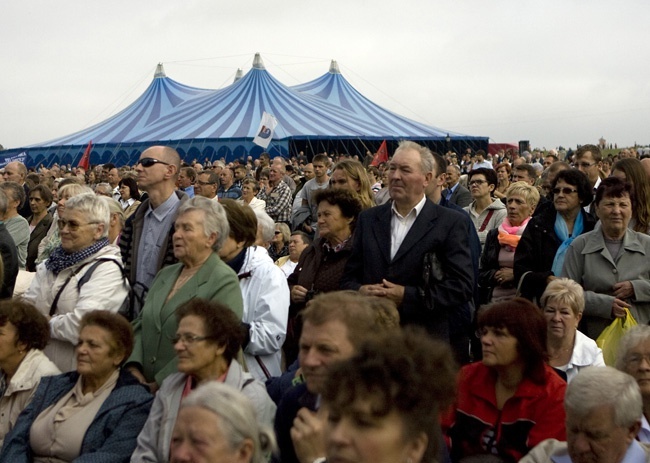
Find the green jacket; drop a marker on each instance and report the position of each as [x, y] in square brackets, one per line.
[156, 325]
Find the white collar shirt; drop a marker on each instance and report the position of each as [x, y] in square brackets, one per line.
[400, 225]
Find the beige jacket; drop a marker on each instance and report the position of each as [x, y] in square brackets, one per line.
[22, 387]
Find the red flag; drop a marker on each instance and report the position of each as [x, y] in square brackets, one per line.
[381, 155]
[85, 159]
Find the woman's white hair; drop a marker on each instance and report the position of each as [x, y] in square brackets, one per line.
[596, 386]
[635, 336]
[236, 417]
[214, 218]
[94, 209]
[266, 224]
[565, 291]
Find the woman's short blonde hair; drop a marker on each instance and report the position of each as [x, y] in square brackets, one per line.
[565, 291]
[529, 193]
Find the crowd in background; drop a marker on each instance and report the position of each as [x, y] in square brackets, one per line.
[304, 309]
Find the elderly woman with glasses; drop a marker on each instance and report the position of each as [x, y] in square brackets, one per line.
[84, 273]
[208, 338]
[633, 358]
[543, 246]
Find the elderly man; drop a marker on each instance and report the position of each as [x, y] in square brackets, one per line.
[114, 176]
[277, 195]
[633, 357]
[146, 241]
[392, 243]
[207, 185]
[17, 172]
[334, 326]
[455, 193]
[298, 242]
[603, 415]
[8, 253]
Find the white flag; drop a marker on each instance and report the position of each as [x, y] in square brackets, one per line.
[265, 132]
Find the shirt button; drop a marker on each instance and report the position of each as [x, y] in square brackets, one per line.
[614, 271]
[153, 359]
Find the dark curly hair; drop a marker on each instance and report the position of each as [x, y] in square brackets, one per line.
[489, 174]
[524, 321]
[222, 326]
[407, 372]
[346, 200]
[32, 327]
[579, 180]
[119, 328]
[614, 187]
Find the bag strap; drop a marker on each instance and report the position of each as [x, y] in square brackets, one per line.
[83, 280]
[263, 367]
[521, 281]
[487, 220]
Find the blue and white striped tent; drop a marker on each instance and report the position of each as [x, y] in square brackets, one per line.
[327, 114]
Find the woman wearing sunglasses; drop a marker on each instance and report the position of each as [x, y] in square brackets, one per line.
[541, 251]
[82, 274]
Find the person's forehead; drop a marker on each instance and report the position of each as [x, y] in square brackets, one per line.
[586, 156]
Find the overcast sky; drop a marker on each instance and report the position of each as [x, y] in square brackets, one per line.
[553, 72]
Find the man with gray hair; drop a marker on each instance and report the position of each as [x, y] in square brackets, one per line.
[277, 195]
[603, 415]
[412, 251]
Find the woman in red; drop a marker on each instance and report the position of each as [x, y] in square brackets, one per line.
[512, 400]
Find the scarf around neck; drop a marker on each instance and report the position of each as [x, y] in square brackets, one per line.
[562, 232]
[60, 259]
[509, 235]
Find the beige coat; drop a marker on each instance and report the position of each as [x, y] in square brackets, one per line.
[21, 388]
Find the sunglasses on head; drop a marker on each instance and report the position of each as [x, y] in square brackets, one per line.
[148, 162]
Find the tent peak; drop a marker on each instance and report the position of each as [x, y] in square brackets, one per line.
[160, 71]
[334, 67]
[257, 62]
[238, 75]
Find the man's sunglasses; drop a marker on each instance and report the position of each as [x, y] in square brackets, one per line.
[148, 162]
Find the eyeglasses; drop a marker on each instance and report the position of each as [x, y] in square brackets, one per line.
[477, 182]
[278, 232]
[72, 225]
[148, 162]
[635, 360]
[205, 183]
[565, 191]
[188, 339]
[584, 165]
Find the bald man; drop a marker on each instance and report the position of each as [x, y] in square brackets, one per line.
[146, 240]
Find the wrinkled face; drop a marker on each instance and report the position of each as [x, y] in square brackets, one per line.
[321, 346]
[36, 203]
[340, 180]
[452, 176]
[189, 237]
[12, 174]
[406, 180]
[197, 438]
[637, 364]
[331, 222]
[595, 438]
[561, 321]
[275, 175]
[296, 247]
[196, 356]
[499, 347]
[587, 164]
[614, 214]
[184, 180]
[113, 177]
[518, 209]
[96, 355]
[76, 232]
[565, 197]
[359, 434]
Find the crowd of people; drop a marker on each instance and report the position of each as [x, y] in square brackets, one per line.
[430, 308]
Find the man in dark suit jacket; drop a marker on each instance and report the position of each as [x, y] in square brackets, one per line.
[455, 193]
[391, 241]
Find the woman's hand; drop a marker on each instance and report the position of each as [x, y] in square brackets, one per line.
[618, 308]
[623, 290]
[298, 293]
[504, 275]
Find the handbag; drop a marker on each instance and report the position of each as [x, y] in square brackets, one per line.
[611, 336]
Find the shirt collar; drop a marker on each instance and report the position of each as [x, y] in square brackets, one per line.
[165, 208]
[418, 208]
